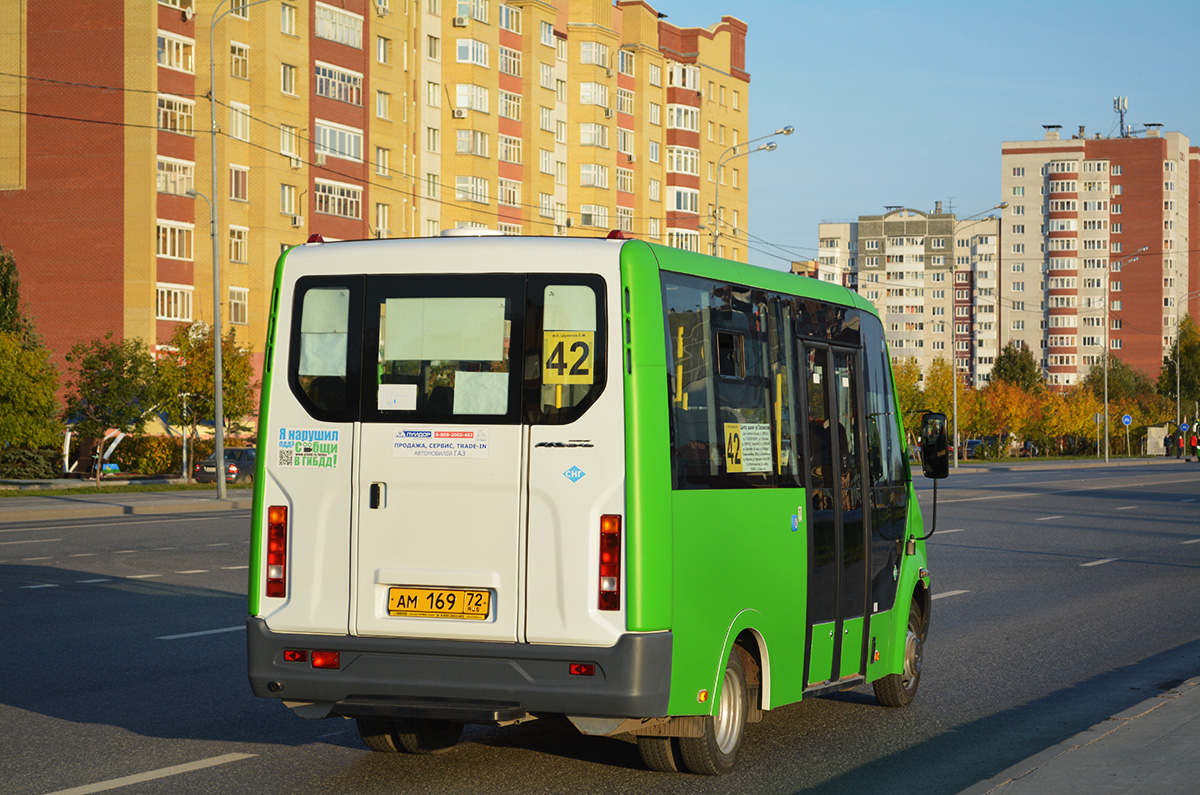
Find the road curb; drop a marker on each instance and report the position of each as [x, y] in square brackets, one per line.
[59, 512]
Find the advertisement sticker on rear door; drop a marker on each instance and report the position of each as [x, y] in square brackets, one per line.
[315, 448]
[439, 443]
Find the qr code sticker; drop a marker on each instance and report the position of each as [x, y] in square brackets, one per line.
[285, 458]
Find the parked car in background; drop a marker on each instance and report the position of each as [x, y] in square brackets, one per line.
[1028, 450]
[971, 448]
[239, 466]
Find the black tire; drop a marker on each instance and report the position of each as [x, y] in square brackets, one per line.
[427, 736]
[378, 735]
[660, 754]
[715, 752]
[899, 690]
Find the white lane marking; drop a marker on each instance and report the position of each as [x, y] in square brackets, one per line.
[232, 568]
[193, 571]
[32, 541]
[43, 585]
[955, 530]
[142, 576]
[1193, 541]
[124, 551]
[164, 549]
[89, 582]
[1126, 508]
[119, 523]
[151, 775]
[944, 594]
[83, 555]
[1057, 491]
[1190, 499]
[222, 544]
[332, 734]
[198, 634]
[1047, 518]
[1097, 562]
[44, 557]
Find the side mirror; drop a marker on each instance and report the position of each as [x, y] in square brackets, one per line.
[935, 453]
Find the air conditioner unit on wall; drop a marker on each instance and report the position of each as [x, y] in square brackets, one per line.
[460, 22]
[295, 162]
[608, 113]
[297, 221]
[320, 159]
[381, 8]
[459, 113]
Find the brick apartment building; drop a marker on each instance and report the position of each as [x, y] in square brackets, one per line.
[354, 119]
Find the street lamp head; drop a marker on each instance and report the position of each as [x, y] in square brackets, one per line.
[191, 194]
[1001, 206]
[769, 147]
[788, 130]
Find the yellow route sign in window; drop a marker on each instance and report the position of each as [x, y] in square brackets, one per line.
[568, 357]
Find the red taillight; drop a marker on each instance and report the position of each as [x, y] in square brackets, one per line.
[295, 655]
[610, 562]
[583, 669]
[326, 659]
[277, 550]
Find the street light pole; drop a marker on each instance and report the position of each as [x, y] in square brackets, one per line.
[953, 350]
[1107, 323]
[723, 159]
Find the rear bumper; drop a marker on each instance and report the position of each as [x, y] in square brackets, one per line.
[468, 681]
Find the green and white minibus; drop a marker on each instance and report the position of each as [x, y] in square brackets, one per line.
[653, 491]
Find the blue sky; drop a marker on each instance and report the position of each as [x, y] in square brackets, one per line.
[908, 103]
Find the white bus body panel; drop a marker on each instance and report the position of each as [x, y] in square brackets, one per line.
[519, 522]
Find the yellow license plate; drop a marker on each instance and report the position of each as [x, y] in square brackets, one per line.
[438, 603]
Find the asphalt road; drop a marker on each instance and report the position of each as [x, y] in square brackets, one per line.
[1062, 597]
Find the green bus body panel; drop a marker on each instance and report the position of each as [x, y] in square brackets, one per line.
[257, 574]
[820, 664]
[649, 566]
[852, 634]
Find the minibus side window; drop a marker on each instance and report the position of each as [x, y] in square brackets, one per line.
[324, 333]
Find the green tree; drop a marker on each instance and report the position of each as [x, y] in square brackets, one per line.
[907, 375]
[111, 386]
[1124, 382]
[939, 388]
[1187, 341]
[1016, 365]
[185, 382]
[29, 411]
[11, 318]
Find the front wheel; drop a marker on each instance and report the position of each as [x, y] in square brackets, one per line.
[715, 751]
[898, 690]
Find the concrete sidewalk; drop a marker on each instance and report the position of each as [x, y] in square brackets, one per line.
[1153, 747]
[49, 506]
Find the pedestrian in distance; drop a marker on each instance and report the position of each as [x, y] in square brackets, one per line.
[1179, 450]
[1195, 445]
[1167, 444]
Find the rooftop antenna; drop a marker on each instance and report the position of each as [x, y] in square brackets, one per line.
[1120, 105]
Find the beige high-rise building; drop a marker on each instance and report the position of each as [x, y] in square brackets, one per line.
[931, 276]
[353, 119]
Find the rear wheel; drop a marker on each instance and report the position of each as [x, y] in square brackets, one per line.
[427, 736]
[659, 754]
[377, 735]
[715, 751]
[898, 690]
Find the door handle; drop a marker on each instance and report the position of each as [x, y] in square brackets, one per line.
[377, 495]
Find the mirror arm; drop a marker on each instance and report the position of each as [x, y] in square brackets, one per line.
[933, 518]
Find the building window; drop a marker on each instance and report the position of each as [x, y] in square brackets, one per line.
[593, 94]
[176, 52]
[546, 118]
[625, 141]
[238, 244]
[509, 149]
[382, 156]
[433, 47]
[471, 189]
[239, 60]
[288, 137]
[683, 117]
[510, 105]
[546, 205]
[625, 180]
[433, 139]
[287, 199]
[336, 140]
[176, 115]
[473, 52]
[684, 200]
[654, 228]
[625, 62]
[287, 78]
[340, 84]
[624, 101]
[335, 24]
[684, 239]
[383, 49]
[239, 183]
[432, 185]
[547, 76]
[509, 18]
[471, 142]
[175, 176]
[287, 19]
[593, 215]
[652, 148]
[508, 192]
[383, 105]
[655, 190]
[593, 175]
[593, 52]
[239, 121]
[382, 213]
[475, 9]
[173, 301]
[239, 305]
[683, 76]
[593, 135]
[175, 240]
[655, 113]
[683, 160]
[510, 61]
[471, 97]
[337, 198]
